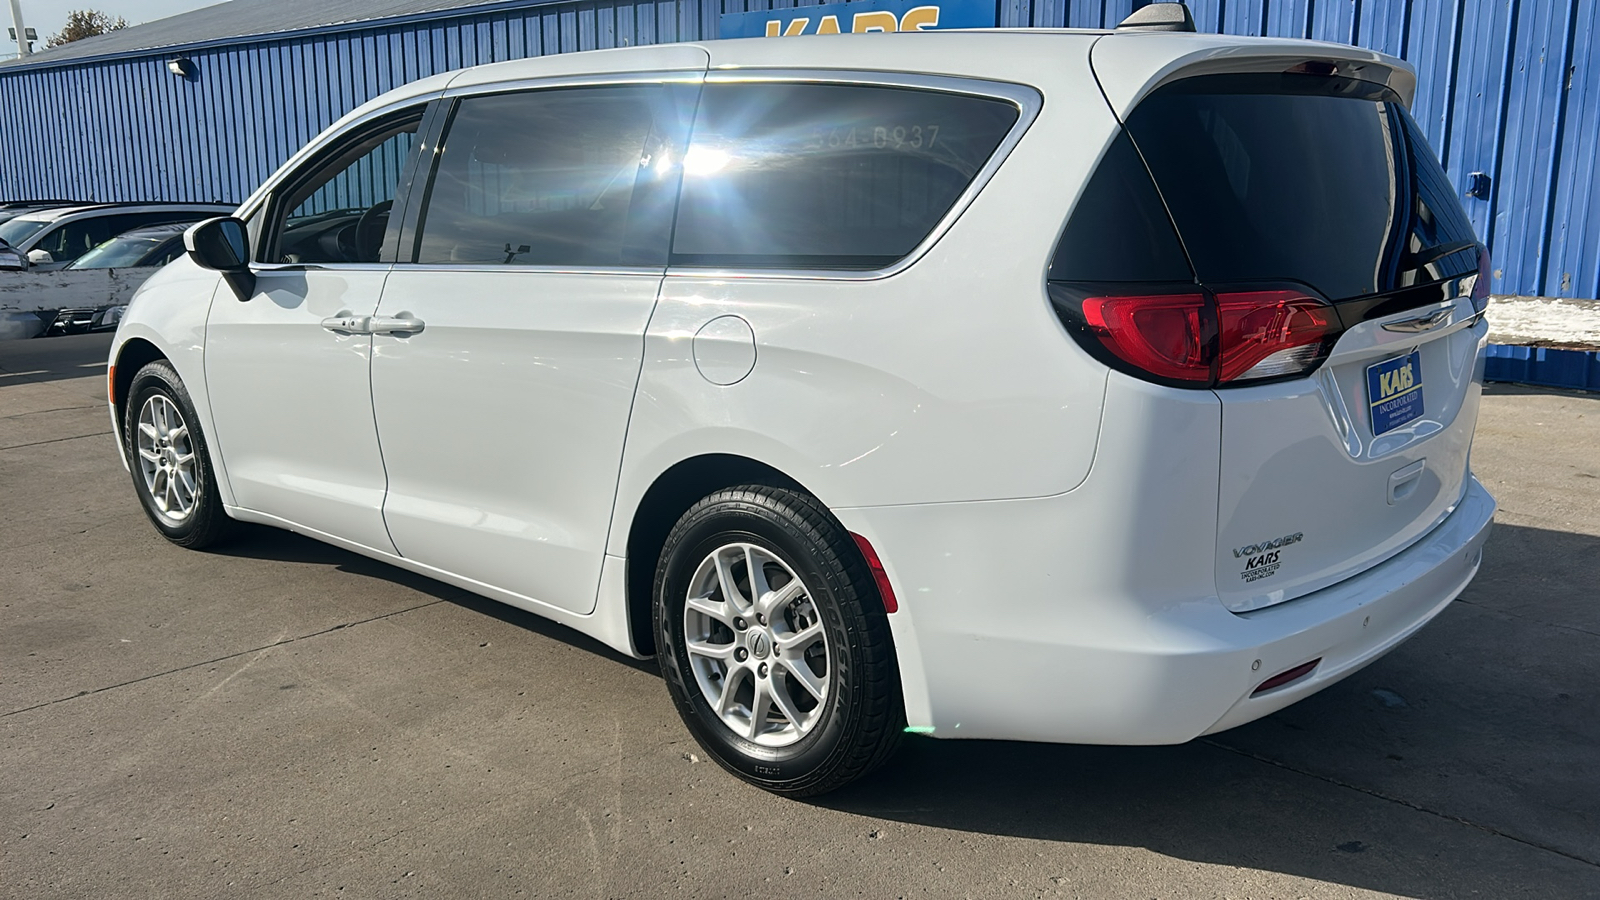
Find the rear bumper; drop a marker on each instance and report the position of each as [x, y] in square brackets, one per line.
[1353, 623]
[1075, 652]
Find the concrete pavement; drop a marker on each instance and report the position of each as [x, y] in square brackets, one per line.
[281, 718]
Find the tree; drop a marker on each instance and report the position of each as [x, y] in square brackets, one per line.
[82, 23]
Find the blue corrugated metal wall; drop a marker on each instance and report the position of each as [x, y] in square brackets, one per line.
[1507, 87]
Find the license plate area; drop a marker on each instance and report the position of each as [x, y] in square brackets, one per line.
[1394, 392]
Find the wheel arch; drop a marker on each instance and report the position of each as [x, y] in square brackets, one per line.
[669, 496]
[134, 354]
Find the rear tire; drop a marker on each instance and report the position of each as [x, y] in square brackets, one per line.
[788, 679]
[168, 456]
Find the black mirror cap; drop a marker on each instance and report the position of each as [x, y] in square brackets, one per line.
[220, 244]
[1159, 17]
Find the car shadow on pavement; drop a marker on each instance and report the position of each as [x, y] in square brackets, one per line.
[54, 358]
[267, 543]
[1465, 754]
[1343, 787]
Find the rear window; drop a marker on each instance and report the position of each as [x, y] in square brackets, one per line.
[1307, 178]
[805, 176]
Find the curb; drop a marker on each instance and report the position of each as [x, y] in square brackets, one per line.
[1545, 366]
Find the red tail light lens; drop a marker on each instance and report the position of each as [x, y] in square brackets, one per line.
[1270, 334]
[1204, 339]
[1480, 287]
[1167, 335]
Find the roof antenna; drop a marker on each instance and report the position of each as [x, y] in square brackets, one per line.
[1159, 17]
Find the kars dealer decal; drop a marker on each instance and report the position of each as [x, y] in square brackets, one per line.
[1261, 560]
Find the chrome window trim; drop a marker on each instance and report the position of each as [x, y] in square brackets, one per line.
[1028, 100]
[600, 79]
[651, 271]
[262, 268]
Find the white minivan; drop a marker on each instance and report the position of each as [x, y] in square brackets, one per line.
[1076, 386]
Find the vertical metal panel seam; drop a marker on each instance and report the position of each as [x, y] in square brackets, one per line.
[1501, 102]
[1542, 252]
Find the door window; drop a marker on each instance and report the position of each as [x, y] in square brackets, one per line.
[337, 209]
[78, 237]
[558, 177]
[832, 176]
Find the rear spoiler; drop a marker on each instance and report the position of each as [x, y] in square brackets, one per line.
[1131, 63]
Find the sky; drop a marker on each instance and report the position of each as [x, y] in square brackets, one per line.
[49, 16]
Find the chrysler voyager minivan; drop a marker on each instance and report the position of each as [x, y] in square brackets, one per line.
[1075, 386]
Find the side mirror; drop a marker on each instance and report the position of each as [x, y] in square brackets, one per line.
[221, 244]
[11, 259]
[40, 258]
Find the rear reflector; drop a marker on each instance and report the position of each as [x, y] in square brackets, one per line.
[875, 566]
[1283, 678]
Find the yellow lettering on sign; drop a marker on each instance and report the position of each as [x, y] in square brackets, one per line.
[796, 27]
[772, 28]
[874, 21]
[828, 25]
[920, 19]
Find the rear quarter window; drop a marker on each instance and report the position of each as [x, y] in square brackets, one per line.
[827, 176]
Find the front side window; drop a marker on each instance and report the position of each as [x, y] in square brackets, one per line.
[833, 176]
[557, 177]
[337, 210]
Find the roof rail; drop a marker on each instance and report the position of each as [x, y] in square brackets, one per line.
[1159, 17]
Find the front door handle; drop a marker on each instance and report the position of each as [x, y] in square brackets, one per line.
[348, 324]
[401, 324]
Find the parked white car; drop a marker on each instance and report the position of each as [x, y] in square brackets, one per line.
[1072, 386]
[52, 238]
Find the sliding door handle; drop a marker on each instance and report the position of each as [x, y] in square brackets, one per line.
[401, 324]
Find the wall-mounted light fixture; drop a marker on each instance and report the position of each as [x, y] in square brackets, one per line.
[182, 66]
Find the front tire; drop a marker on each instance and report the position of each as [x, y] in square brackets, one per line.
[774, 643]
[168, 457]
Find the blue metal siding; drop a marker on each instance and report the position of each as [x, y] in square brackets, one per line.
[1507, 87]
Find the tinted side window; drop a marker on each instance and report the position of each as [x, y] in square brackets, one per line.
[827, 175]
[565, 177]
[1441, 243]
[336, 210]
[1119, 230]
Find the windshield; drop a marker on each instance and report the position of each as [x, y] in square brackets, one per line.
[16, 231]
[120, 252]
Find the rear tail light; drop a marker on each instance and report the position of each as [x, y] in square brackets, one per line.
[1271, 334]
[1480, 284]
[1200, 338]
[1168, 335]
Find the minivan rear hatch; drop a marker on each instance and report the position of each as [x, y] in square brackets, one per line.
[1294, 179]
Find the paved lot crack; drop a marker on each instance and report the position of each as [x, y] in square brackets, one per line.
[265, 647]
[1512, 615]
[40, 412]
[1328, 779]
[76, 437]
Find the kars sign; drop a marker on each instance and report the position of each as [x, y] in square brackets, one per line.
[859, 18]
